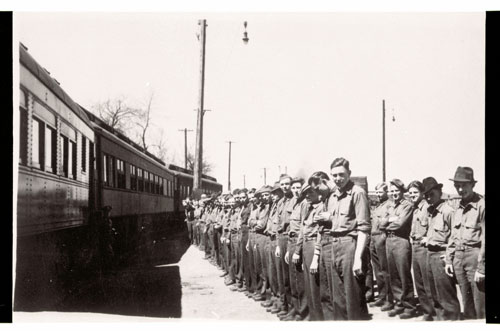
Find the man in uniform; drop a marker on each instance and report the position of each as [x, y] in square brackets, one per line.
[397, 227]
[465, 252]
[443, 290]
[262, 217]
[243, 234]
[348, 211]
[189, 210]
[378, 251]
[420, 224]
[299, 309]
[235, 259]
[284, 211]
[251, 243]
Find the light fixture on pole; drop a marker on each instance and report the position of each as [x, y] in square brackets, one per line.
[245, 34]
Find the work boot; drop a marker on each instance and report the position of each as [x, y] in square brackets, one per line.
[387, 307]
[230, 282]
[266, 304]
[377, 303]
[224, 274]
[407, 315]
[395, 311]
[276, 310]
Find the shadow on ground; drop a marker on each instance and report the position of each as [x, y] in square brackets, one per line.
[137, 288]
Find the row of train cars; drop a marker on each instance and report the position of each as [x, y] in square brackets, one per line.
[87, 195]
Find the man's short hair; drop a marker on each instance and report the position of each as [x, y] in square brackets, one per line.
[297, 180]
[285, 176]
[340, 162]
[244, 190]
[381, 186]
[416, 184]
[317, 177]
[236, 191]
[252, 190]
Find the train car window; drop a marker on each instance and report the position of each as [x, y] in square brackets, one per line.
[73, 159]
[162, 186]
[50, 149]
[133, 178]
[23, 129]
[146, 181]
[112, 171]
[84, 154]
[37, 144]
[158, 179]
[105, 170]
[120, 174]
[64, 156]
[140, 179]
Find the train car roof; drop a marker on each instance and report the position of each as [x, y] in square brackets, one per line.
[52, 84]
[204, 179]
[188, 172]
[116, 139]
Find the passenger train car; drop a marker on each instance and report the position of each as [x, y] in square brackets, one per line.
[73, 170]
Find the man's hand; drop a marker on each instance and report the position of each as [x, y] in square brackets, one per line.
[314, 264]
[323, 216]
[277, 253]
[222, 239]
[286, 258]
[295, 258]
[478, 277]
[424, 241]
[247, 247]
[357, 267]
[449, 270]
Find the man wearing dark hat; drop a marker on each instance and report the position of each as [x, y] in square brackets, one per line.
[397, 227]
[378, 250]
[250, 245]
[273, 304]
[306, 248]
[349, 213]
[465, 251]
[443, 290]
[420, 224]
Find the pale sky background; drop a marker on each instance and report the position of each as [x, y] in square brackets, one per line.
[307, 88]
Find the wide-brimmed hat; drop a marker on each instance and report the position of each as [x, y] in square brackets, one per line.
[399, 184]
[430, 183]
[464, 175]
[264, 189]
[276, 187]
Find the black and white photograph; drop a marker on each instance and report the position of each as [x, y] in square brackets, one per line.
[249, 166]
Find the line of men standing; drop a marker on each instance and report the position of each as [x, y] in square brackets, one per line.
[306, 249]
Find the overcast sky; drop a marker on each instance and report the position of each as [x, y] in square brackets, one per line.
[307, 87]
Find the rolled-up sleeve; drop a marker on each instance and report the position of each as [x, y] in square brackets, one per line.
[362, 209]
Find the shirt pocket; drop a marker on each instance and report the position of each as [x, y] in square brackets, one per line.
[472, 228]
[439, 224]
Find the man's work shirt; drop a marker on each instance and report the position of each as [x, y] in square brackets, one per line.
[262, 218]
[399, 218]
[310, 227]
[284, 213]
[243, 216]
[420, 222]
[297, 219]
[349, 210]
[233, 225]
[379, 217]
[252, 219]
[468, 229]
[440, 219]
[272, 223]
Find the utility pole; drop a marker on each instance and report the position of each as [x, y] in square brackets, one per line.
[185, 146]
[383, 140]
[244, 182]
[198, 157]
[229, 167]
[264, 176]
[286, 171]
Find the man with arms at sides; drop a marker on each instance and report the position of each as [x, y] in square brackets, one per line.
[378, 250]
[299, 309]
[465, 251]
[310, 256]
[349, 212]
[444, 292]
[420, 224]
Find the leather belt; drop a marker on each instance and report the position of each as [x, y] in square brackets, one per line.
[435, 248]
[465, 247]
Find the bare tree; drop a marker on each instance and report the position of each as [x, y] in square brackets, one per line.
[161, 148]
[206, 167]
[115, 113]
[143, 120]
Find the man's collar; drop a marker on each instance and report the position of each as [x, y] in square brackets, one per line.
[472, 203]
[347, 189]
